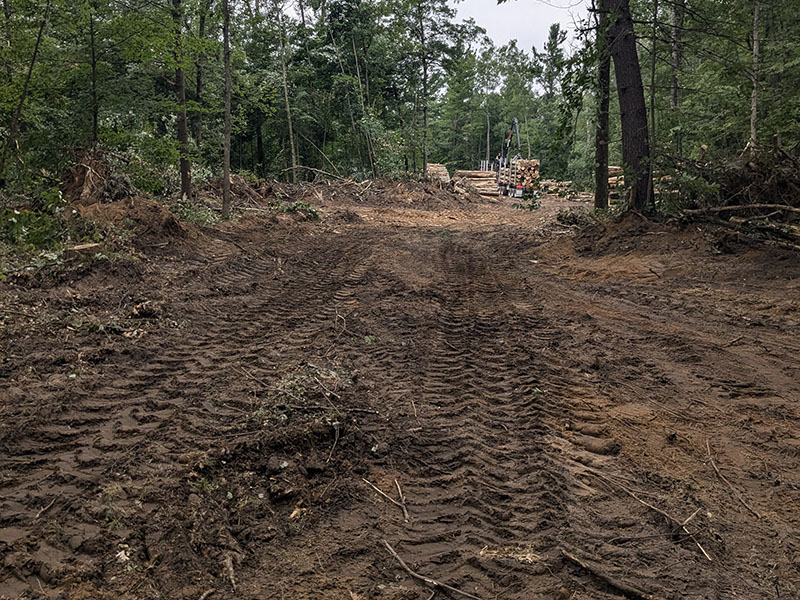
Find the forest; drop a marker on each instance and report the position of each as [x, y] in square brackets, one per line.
[359, 299]
[374, 88]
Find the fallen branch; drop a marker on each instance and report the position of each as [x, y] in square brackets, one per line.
[436, 585]
[389, 498]
[206, 594]
[402, 500]
[319, 171]
[730, 485]
[46, 508]
[715, 209]
[623, 588]
[666, 515]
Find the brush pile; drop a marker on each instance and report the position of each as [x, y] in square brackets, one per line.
[759, 198]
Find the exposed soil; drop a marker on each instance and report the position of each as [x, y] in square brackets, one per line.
[202, 421]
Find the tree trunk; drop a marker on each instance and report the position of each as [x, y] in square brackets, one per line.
[286, 96]
[260, 155]
[653, 53]
[356, 142]
[633, 111]
[676, 24]
[488, 134]
[424, 57]
[226, 144]
[197, 120]
[677, 13]
[13, 138]
[180, 93]
[95, 106]
[370, 152]
[603, 99]
[753, 143]
[7, 31]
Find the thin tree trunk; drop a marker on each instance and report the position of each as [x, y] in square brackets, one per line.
[286, 96]
[424, 52]
[347, 98]
[603, 100]
[633, 111]
[260, 156]
[370, 152]
[653, 54]
[676, 24]
[527, 134]
[180, 93]
[488, 135]
[197, 121]
[7, 28]
[13, 138]
[226, 144]
[753, 143]
[95, 106]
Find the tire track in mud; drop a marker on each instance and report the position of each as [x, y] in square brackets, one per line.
[133, 422]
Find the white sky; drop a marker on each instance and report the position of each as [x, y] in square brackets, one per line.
[527, 21]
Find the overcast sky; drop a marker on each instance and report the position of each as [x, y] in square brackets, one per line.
[527, 21]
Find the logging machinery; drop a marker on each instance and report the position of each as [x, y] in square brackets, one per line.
[515, 176]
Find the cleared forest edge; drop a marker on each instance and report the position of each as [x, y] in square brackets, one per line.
[607, 414]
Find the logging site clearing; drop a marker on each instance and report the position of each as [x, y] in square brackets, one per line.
[398, 390]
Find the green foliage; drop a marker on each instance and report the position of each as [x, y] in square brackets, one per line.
[42, 227]
[304, 209]
[359, 76]
[194, 212]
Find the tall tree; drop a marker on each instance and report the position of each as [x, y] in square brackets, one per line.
[180, 94]
[753, 143]
[633, 113]
[226, 144]
[603, 100]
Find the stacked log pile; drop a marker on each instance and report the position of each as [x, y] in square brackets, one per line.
[438, 172]
[527, 172]
[484, 182]
[616, 181]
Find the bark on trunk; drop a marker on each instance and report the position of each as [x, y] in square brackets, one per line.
[286, 97]
[653, 54]
[753, 143]
[197, 120]
[226, 144]
[633, 111]
[95, 105]
[367, 136]
[676, 24]
[180, 93]
[424, 57]
[260, 155]
[603, 99]
[677, 13]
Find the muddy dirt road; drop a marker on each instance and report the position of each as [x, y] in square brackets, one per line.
[612, 414]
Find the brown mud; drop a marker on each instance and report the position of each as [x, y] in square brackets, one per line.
[607, 414]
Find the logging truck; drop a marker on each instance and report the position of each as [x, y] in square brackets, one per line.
[516, 176]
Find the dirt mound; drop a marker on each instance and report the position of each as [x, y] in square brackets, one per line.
[147, 218]
[635, 233]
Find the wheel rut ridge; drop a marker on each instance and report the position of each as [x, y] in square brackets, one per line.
[170, 402]
[496, 487]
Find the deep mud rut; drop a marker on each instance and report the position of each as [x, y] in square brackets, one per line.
[548, 404]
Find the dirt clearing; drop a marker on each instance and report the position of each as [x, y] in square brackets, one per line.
[252, 410]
